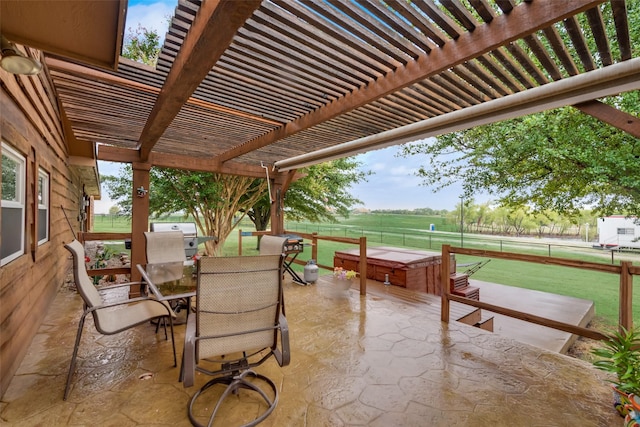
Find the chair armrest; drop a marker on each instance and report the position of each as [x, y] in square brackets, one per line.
[177, 296]
[124, 302]
[149, 282]
[283, 355]
[119, 285]
[189, 353]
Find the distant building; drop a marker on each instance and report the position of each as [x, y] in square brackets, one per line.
[618, 231]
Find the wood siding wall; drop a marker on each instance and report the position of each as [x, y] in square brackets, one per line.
[30, 123]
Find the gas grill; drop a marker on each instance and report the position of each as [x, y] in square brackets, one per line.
[188, 229]
[292, 244]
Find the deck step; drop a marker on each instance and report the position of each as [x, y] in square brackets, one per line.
[486, 324]
[474, 318]
[470, 292]
[458, 281]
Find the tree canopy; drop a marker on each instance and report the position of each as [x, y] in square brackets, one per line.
[559, 160]
[212, 200]
[143, 45]
[321, 195]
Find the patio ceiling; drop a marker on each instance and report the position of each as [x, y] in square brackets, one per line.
[239, 84]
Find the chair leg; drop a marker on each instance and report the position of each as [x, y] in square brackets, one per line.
[164, 325]
[72, 365]
[233, 384]
[173, 340]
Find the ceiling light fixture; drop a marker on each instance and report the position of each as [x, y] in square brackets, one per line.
[16, 62]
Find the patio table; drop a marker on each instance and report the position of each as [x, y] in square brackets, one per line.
[173, 282]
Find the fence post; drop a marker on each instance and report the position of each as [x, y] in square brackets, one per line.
[314, 246]
[239, 242]
[444, 276]
[626, 296]
[363, 266]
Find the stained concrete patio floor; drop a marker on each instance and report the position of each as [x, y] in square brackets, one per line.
[356, 361]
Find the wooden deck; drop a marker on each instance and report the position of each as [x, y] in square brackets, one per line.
[427, 302]
[558, 307]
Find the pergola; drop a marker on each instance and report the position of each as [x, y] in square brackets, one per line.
[283, 83]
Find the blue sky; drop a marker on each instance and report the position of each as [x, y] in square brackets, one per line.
[393, 184]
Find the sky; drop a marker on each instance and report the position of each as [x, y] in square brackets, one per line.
[393, 184]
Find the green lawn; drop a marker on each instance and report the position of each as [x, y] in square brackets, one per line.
[412, 231]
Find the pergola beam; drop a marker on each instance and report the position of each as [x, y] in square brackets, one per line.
[608, 114]
[523, 20]
[91, 74]
[608, 81]
[211, 33]
[177, 161]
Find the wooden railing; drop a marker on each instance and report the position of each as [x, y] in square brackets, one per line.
[625, 270]
[314, 237]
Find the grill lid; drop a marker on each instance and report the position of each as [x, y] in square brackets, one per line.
[187, 228]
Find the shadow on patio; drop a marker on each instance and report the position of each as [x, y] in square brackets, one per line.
[354, 361]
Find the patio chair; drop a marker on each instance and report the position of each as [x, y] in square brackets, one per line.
[111, 318]
[235, 328]
[271, 245]
[167, 248]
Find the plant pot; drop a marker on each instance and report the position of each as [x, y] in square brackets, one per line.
[342, 284]
[621, 402]
[632, 419]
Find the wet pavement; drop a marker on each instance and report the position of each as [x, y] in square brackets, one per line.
[355, 361]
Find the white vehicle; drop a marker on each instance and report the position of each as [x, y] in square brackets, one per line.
[618, 231]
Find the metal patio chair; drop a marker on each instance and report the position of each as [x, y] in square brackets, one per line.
[111, 318]
[166, 248]
[235, 329]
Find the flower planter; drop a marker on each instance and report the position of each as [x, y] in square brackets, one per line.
[342, 284]
[621, 402]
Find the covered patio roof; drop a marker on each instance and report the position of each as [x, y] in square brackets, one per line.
[291, 83]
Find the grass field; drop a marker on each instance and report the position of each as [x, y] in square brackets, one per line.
[412, 231]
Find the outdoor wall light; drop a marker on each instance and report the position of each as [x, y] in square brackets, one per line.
[141, 191]
[15, 62]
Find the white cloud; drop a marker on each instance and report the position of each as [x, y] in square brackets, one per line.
[150, 15]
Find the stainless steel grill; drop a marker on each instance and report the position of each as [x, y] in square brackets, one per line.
[292, 244]
[189, 230]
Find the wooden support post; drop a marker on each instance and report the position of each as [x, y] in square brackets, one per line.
[239, 242]
[277, 216]
[314, 246]
[363, 266]
[444, 273]
[626, 295]
[139, 219]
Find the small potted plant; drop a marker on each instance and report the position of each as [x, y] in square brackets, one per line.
[342, 277]
[621, 357]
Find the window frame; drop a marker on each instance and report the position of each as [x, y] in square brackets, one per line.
[20, 193]
[626, 231]
[43, 204]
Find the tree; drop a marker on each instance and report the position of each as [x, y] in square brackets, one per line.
[114, 210]
[212, 200]
[560, 160]
[321, 195]
[142, 46]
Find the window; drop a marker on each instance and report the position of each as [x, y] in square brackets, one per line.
[13, 204]
[43, 206]
[626, 231]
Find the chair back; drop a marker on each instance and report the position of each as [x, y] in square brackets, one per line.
[165, 255]
[272, 245]
[84, 284]
[238, 304]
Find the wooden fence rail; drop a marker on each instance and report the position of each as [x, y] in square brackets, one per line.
[625, 270]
